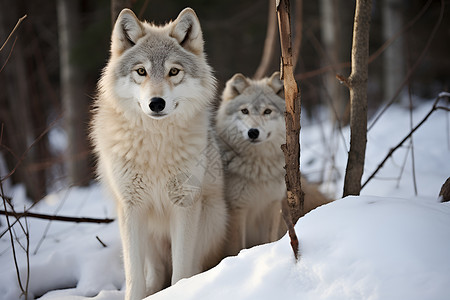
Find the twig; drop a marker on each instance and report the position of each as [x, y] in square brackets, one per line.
[413, 68]
[49, 224]
[27, 252]
[57, 218]
[400, 32]
[22, 157]
[433, 109]
[12, 32]
[413, 161]
[100, 241]
[13, 248]
[373, 56]
[403, 165]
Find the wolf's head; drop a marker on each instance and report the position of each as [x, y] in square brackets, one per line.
[159, 70]
[252, 110]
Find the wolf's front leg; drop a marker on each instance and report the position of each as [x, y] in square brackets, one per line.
[237, 229]
[184, 235]
[131, 222]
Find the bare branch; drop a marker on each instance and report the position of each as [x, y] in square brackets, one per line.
[12, 32]
[13, 248]
[433, 109]
[22, 157]
[56, 218]
[101, 242]
[413, 68]
[292, 147]
[373, 56]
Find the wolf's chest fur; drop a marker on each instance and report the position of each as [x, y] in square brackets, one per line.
[159, 146]
[141, 155]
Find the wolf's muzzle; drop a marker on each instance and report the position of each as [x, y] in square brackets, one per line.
[157, 104]
[253, 133]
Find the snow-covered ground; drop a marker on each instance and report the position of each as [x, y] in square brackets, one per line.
[388, 243]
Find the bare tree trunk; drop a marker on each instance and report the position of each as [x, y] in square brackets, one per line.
[394, 57]
[270, 43]
[74, 101]
[357, 84]
[116, 8]
[293, 109]
[292, 147]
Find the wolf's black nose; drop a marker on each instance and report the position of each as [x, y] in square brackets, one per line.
[253, 133]
[157, 104]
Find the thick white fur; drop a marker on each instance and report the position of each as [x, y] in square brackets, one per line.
[170, 229]
[254, 172]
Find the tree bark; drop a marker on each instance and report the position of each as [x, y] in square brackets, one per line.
[357, 84]
[292, 147]
[269, 43]
[74, 101]
[292, 95]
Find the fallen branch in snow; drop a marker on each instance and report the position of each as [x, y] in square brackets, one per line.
[56, 218]
[101, 242]
[433, 109]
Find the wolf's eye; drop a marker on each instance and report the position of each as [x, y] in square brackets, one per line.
[174, 72]
[141, 72]
[244, 111]
[268, 111]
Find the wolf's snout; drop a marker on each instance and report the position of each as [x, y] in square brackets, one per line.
[253, 133]
[157, 104]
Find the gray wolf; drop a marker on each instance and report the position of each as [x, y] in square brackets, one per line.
[251, 129]
[156, 151]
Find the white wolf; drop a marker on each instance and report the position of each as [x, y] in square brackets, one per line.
[251, 130]
[156, 151]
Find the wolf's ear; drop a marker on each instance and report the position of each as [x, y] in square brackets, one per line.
[235, 86]
[187, 31]
[276, 83]
[127, 31]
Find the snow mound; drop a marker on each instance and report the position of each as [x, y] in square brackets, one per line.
[355, 248]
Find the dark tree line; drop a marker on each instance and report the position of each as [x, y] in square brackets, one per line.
[58, 52]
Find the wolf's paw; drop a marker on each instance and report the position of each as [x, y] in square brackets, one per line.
[183, 189]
